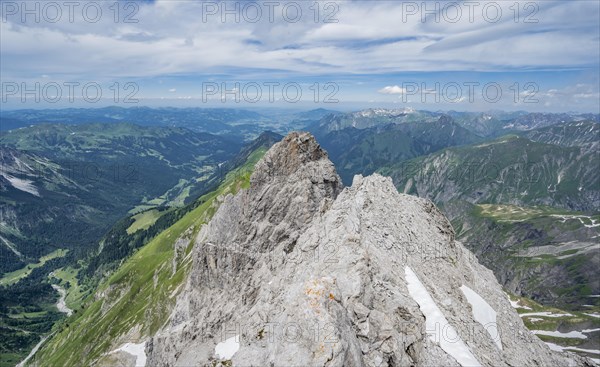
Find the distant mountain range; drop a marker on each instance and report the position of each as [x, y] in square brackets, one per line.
[365, 150]
[364, 141]
[485, 124]
[250, 123]
[198, 119]
[511, 169]
[238, 124]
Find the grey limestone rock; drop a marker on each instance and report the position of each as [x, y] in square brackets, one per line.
[304, 273]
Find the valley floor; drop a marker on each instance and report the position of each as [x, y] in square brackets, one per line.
[576, 332]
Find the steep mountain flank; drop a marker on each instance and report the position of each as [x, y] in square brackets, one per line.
[509, 170]
[295, 271]
[363, 151]
[584, 134]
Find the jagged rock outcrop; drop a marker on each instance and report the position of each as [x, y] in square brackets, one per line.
[296, 272]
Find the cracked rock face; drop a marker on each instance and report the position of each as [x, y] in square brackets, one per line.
[303, 273]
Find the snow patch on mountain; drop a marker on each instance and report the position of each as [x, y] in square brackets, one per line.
[228, 348]
[447, 337]
[558, 334]
[136, 350]
[483, 314]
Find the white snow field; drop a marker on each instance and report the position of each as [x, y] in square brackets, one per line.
[483, 314]
[434, 317]
[226, 349]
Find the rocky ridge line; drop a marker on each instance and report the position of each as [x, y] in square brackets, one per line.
[296, 272]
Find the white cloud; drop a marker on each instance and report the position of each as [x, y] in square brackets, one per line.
[370, 38]
[392, 90]
[570, 97]
[587, 95]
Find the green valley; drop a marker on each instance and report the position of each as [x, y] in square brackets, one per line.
[15, 276]
[65, 186]
[547, 254]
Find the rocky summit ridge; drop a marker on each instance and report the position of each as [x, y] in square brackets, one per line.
[298, 271]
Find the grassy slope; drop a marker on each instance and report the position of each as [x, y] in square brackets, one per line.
[507, 212]
[141, 293]
[15, 276]
[143, 220]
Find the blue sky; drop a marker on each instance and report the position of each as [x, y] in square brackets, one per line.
[541, 56]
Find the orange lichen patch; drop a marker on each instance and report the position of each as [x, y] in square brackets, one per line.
[315, 289]
[331, 297]
[317, 292]
[321, 349]
[314, 292]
